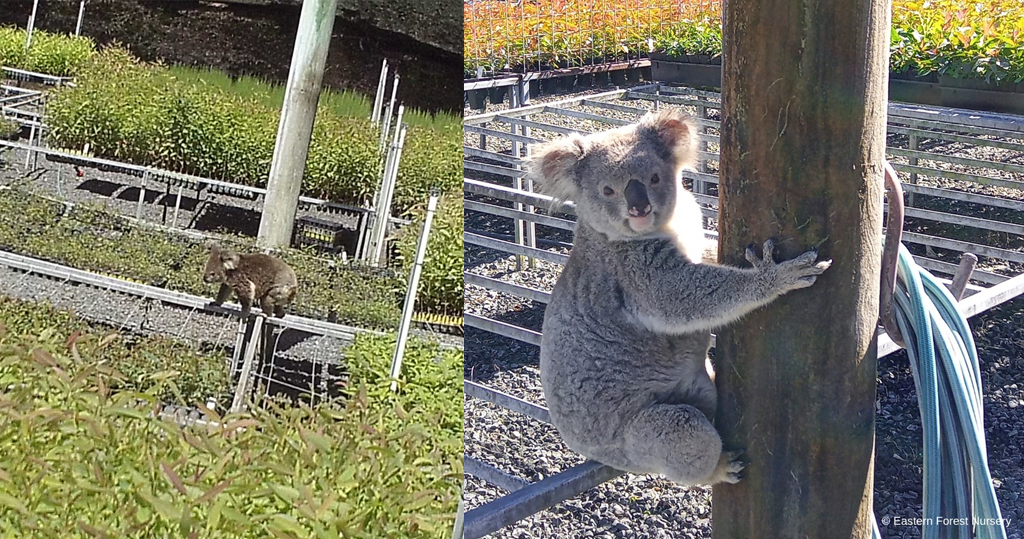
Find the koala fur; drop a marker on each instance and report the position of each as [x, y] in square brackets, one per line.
[623, 357]
[251, 276]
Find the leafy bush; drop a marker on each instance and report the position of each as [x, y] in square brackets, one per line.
[90, 238]
[565, 33]
[53, 54]
[960, 38]
[8, 129]
[77, 460]
[144, 114]
[430, 388]
[171, 370]
[441, 282]
[980, 39]
[341, 103]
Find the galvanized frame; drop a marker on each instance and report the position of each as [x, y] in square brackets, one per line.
[913, 120]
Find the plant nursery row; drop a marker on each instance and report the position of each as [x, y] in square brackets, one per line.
[85, 456]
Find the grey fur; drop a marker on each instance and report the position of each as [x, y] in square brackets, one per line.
[251, 277]
[623, 358]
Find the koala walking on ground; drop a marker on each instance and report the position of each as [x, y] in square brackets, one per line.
[251, 277]
[623, 358]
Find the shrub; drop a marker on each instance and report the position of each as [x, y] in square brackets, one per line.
[171, 370]
[52, 54]
[441, 282]
[980, 39]
[144, 114]
[430, 392]
[962, 39]
[77, 460]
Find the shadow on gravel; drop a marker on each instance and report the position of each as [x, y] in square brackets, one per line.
[187, 203]
[218, 217]
[296, 379]
[101, 187]
[131, 194]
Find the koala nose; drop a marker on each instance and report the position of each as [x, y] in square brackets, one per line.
[636, 199]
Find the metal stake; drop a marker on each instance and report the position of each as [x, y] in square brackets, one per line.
[244, 379]
[81, 15]
[410, 293]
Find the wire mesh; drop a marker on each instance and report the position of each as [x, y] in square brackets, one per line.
[522, 36]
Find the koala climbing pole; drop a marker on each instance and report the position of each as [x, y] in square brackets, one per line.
[803, 127]
[957, 483]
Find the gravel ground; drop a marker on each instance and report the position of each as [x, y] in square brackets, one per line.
[119, 192]
[635, 506]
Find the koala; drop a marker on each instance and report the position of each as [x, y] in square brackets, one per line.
[623, 358]
[251, 276]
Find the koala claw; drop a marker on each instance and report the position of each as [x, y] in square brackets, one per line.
[730, 467]
[766, 259]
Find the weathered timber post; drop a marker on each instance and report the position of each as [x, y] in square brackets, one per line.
[802, 144]
[301, 95]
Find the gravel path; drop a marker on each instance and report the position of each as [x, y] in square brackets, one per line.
[635, 506]
[119, 192]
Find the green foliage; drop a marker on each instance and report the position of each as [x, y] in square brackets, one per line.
[147, 114]
[341, 103]
[441, 282]
[77, 460]
[966, 39]
[8, 129]
[171, 370]
[92, 239]
[430, 393]
[700, 36]
[53, 54]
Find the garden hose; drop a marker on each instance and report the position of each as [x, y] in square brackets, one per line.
[959, 498]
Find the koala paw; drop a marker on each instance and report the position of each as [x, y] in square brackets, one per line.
[730, 468]
[794, 274]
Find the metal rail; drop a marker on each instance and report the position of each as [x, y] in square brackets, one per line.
[180, 299]
[174, 178]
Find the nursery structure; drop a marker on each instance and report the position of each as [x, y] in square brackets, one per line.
[964, 195]
[26, 108]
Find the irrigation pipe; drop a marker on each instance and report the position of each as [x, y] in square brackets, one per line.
[959, 500]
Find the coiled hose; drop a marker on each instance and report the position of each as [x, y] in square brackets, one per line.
[959, 498]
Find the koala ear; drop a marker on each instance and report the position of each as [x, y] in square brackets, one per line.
[552, 164]
[229, 258]
[676, 132]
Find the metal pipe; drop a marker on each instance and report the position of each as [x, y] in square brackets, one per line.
[387, 121]
[410, 293]
[31, 24]
[963, 275]
[245, 377]
[177, 206]
[378, 98]
[81, 15]
[388, 194]
[142, 196]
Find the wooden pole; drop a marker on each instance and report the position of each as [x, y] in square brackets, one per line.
[296, 128]
[802, 147]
